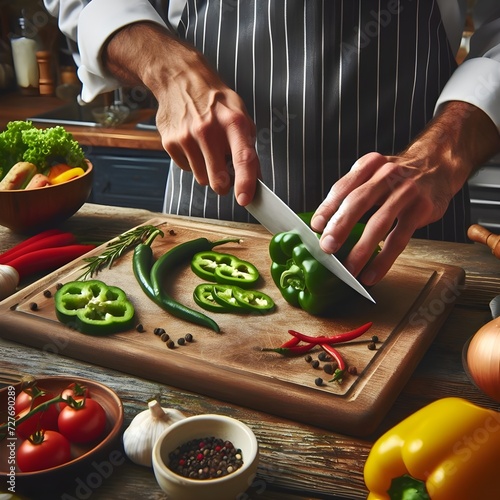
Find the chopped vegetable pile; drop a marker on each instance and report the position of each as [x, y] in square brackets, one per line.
[22, 142]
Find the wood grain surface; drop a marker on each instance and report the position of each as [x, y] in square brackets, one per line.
[231, 365]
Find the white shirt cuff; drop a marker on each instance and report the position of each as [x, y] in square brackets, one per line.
[476, 81]
[97, 22]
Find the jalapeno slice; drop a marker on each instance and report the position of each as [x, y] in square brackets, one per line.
[203, 296]
[253, 300]
[224, 268]
[224, 295]
[231, 298]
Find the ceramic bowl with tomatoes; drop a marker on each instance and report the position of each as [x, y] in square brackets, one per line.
[74, 423]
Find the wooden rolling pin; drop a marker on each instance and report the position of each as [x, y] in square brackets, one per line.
[482, 235]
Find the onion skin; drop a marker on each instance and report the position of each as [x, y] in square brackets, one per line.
[483, 359]
[9, 279]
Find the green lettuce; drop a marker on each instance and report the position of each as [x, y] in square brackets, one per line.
[22, 141]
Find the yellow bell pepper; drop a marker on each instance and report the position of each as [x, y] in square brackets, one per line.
[67, 175]
[450, 449]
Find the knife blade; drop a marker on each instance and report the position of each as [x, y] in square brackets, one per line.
[277, 217]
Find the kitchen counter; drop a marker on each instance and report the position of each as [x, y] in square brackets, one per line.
[14, 106]
[298, 461]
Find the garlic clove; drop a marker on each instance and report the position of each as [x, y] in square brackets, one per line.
[146, 427]
[9, 279]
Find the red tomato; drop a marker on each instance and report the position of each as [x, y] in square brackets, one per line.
[46, 449]
[83, 424]
[75, 391]
[46, 420]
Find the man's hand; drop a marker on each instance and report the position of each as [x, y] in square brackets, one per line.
[204, 125]
[407, 191]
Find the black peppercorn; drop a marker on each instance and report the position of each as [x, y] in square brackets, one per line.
[181, 341]
[158, 331]
[308, 358]
[352, 370]
[33, 306]
[47, 293]
[205, 458]
[372, 346]
[328, 368]
[318, 381]
[140, 327]
[323, 356]
[164, 337]
[189, 337]
[315, 363]
[170, 344]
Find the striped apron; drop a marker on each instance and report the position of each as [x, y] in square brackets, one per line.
[325, 81]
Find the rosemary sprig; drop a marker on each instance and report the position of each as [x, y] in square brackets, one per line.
[115, 249]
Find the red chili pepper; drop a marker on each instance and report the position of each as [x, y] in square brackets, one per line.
[53, 241]
[290, 343]
[37, 237]
[341, 337]
[294, 350]
[47, 259]
[339, 372]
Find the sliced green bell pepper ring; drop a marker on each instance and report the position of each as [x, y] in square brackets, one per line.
[253, 300]
[232, 299]
[302, 280]
[93, 307]
[224, 295]
[224, 268]
[203, 296]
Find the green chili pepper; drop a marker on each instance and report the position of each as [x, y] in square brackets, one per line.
[151, 276]
[94, 307]
[224, 268]
[302, 280]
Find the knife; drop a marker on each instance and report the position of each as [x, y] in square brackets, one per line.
[277, 217]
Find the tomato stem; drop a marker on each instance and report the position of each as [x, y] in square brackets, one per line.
[42, 407]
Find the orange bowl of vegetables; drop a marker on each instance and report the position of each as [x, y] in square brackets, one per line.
[44, 177]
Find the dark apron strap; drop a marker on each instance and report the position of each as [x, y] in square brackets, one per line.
[326, 82]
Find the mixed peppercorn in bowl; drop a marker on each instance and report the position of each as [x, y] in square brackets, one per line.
[206, 456]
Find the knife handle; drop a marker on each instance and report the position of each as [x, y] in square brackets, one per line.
[482, 235]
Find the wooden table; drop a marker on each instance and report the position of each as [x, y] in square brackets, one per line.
[297, 461]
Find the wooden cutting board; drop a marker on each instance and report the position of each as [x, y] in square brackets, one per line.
[413, 301]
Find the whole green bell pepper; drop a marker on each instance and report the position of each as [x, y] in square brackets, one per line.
[94, 307]
[302, 280]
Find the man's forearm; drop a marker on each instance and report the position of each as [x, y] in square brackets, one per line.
[148, 53]
[462, 136]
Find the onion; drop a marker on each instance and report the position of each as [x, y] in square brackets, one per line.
[483, 359]
[9, 279]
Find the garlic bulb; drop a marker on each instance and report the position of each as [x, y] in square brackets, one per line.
[141, 435]
[9, 279]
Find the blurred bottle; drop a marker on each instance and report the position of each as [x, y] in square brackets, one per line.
[24, 48]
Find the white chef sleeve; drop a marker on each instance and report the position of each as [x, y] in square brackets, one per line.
[90, 24]
[477, 79]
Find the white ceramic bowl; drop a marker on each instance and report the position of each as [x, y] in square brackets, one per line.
[224, 488]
